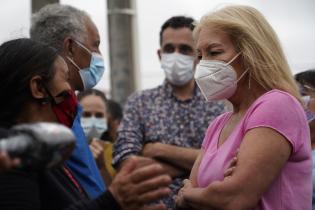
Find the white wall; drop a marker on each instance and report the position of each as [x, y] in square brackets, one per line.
[14, 19]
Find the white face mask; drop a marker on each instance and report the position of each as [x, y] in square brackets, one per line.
[178, 68]
[93, 127]
[217, 80]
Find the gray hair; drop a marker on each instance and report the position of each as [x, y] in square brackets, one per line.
[54, 22]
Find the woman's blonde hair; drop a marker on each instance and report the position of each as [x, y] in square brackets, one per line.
[254, 37]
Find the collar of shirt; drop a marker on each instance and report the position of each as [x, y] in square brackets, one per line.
[169, 92]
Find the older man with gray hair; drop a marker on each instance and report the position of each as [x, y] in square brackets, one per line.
[72, 32]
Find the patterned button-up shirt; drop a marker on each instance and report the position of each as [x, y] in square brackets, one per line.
[157, 115]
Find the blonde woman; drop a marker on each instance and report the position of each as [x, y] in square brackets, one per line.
[241, 60]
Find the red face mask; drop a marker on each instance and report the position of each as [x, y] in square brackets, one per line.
[66, 110]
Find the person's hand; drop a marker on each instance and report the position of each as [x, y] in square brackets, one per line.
[134, 187]
[181, 204]
[229, 172]
[6, 162]
[97, 149]
[190, 198]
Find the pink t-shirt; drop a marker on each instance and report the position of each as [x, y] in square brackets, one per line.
[292, 189]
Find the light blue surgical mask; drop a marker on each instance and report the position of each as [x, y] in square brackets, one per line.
[91, 75]
[94, 127]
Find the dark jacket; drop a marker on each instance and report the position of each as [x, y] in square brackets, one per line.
[51, 190]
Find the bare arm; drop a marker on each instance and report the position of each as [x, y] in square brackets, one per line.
[181, 157]
[262, 155]
[166, 168]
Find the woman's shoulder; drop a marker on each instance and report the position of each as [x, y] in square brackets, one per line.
[279, 97]
[277, 102]
[279, 111]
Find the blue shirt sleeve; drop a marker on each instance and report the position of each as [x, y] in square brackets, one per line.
[82, 163]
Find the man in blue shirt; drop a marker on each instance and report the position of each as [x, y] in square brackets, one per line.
[73, 33]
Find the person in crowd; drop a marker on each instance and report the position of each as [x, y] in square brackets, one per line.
[38, 78]
[95, 122]
[306, 81]
[72, 32]
[115, 115]
[241, 60]
[166, 124]
[94, 118]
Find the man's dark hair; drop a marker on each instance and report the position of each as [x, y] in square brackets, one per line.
[177, 22]
[306, 77]
[114, 109]
[21, 60]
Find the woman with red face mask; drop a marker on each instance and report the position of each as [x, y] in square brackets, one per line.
[33, 84]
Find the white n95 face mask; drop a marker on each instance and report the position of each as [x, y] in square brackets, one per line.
[178, 68]
[94, 127]
[217, 80]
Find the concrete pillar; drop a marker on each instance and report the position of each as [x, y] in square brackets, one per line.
[122, 48]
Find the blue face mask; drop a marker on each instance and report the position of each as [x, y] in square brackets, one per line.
[91, 75]
[309, 115]
[94, 127]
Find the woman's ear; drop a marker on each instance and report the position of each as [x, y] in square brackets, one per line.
[37, 89]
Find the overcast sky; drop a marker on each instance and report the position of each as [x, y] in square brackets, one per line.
[293, 20]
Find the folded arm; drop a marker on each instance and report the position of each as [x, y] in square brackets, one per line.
[180, 157]
[262, 155]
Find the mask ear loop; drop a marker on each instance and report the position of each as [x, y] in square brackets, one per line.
[231, 61]
[50, 97]
[84, 47]
[73, 63]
